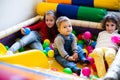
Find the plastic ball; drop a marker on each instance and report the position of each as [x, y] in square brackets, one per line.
[95, 37]
[80, 42]
[45, 52]
[21, 49]
[47, 41]
[6, 47]
[91, 60]
[85, 50]
[93, 44]
[46, 45]
[87, 35]
[47, 49]
[51, 46]
[51, 53]
[115, 39]
[86, 71]
[67, 70]
[89, 49]
[73, 31]
[92, 77]
[80, 37]
[27, 30]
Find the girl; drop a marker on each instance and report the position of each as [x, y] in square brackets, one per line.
[105, 49]
[45, 29]
[66, 50]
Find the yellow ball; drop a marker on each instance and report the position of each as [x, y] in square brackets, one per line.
[47, 41]
[85, 51]
[50, 53]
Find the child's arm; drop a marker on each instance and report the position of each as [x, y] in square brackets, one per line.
[36, 26]
[59, 44]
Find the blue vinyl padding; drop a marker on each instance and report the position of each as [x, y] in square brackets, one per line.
[67, 10]
[83, 2]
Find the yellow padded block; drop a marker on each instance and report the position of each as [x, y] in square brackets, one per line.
[31, 58]
[42, 7]
[107, 4]
[3, 50]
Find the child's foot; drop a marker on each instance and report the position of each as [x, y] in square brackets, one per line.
[85, 62]
[76, 70]
[9, 53]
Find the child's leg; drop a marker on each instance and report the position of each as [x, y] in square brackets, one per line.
[82, 56]
[25, 40]
[36, 45]
[110, 56]
[98, 54]
[65, 63]
[114, 69]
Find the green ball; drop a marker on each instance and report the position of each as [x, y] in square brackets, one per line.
[46, 45]
[92, 77]
[80, 42]
[7, 47]
[95, 37]
[67, 70]
[21, 49]
[74, 32]
[45, 52]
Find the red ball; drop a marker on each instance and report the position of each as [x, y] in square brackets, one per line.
[91, 60]
[80, 37]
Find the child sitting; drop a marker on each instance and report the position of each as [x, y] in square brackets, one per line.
[105, 49]
[66, 50]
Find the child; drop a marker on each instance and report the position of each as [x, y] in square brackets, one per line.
[105, 49]
[66, 50]
[45, 29]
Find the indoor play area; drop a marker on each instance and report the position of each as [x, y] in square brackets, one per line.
[33, 64]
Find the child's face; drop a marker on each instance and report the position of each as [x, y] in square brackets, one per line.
[49, 20]
[110, 26]
[65, 28]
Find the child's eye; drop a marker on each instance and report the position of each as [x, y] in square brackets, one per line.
[70, 26]
[112, 25]
[64, 26]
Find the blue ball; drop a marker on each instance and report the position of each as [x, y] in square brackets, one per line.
[93, 44]
[47, 49]
[27, 30]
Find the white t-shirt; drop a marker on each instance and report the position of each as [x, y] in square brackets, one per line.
[104, 40]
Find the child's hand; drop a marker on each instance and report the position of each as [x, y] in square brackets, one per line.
[70, 58]
[75, 56]
[23, 31]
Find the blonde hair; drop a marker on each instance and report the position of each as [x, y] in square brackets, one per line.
[61, 19]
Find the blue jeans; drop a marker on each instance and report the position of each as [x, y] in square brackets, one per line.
[33, 39]
[66, 63]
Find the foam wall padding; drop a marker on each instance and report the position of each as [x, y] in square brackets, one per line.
[59, 1]
[72, 11]
[67, 10]
[108, 4]
[42, 7]
[91, 14]
[83, 2]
